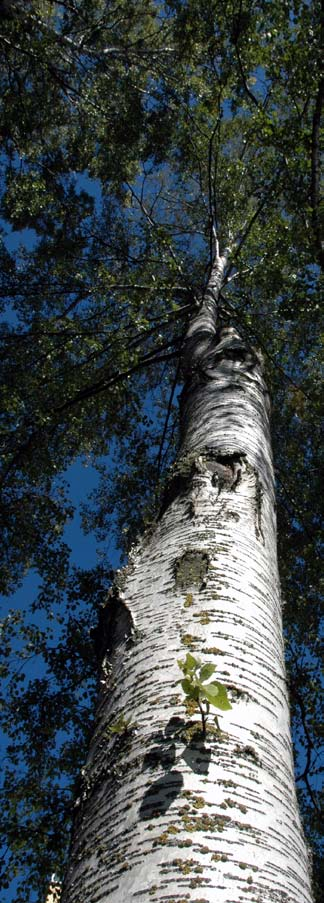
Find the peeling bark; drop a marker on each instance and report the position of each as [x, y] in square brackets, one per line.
[164, 813]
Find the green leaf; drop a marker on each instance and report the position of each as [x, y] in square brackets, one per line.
[187, 686]
[191, 689]
[216, 695]
[206, 671]
[190, 664]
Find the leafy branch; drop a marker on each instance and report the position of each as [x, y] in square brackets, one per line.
[200, 690]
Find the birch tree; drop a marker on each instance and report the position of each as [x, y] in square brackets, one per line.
[202, 125]
[170, 809]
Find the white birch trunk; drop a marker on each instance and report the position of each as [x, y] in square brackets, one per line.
[164, 814]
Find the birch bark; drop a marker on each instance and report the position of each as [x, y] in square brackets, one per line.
[163, 813]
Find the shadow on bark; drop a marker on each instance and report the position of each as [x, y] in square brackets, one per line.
[160, 795]
[165, 789]
[197, 756]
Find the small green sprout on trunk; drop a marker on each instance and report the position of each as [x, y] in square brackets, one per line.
[198, 691]
[121, 726]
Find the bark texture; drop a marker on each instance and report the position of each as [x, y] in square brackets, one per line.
[163, 813]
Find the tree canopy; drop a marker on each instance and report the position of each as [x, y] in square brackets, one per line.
[130, 133]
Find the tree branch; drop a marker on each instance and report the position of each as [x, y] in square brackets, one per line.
[88, 392]
[309, 747]
[316, 173]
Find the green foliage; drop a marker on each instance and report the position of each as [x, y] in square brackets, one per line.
[49, 674]
[121, 726]
[199, 689]
[121, 135]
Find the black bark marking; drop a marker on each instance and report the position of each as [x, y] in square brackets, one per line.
[115, 625]
[225, 471]
[175, 488]
[258, 509]
[205, 352]
[191, 569]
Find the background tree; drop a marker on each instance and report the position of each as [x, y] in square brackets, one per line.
[125, 132]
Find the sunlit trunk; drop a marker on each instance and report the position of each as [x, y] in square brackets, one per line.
[165, 813]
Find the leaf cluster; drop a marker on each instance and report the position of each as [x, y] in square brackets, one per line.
[199, 689]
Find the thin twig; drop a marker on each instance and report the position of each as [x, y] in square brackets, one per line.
[168, 413]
